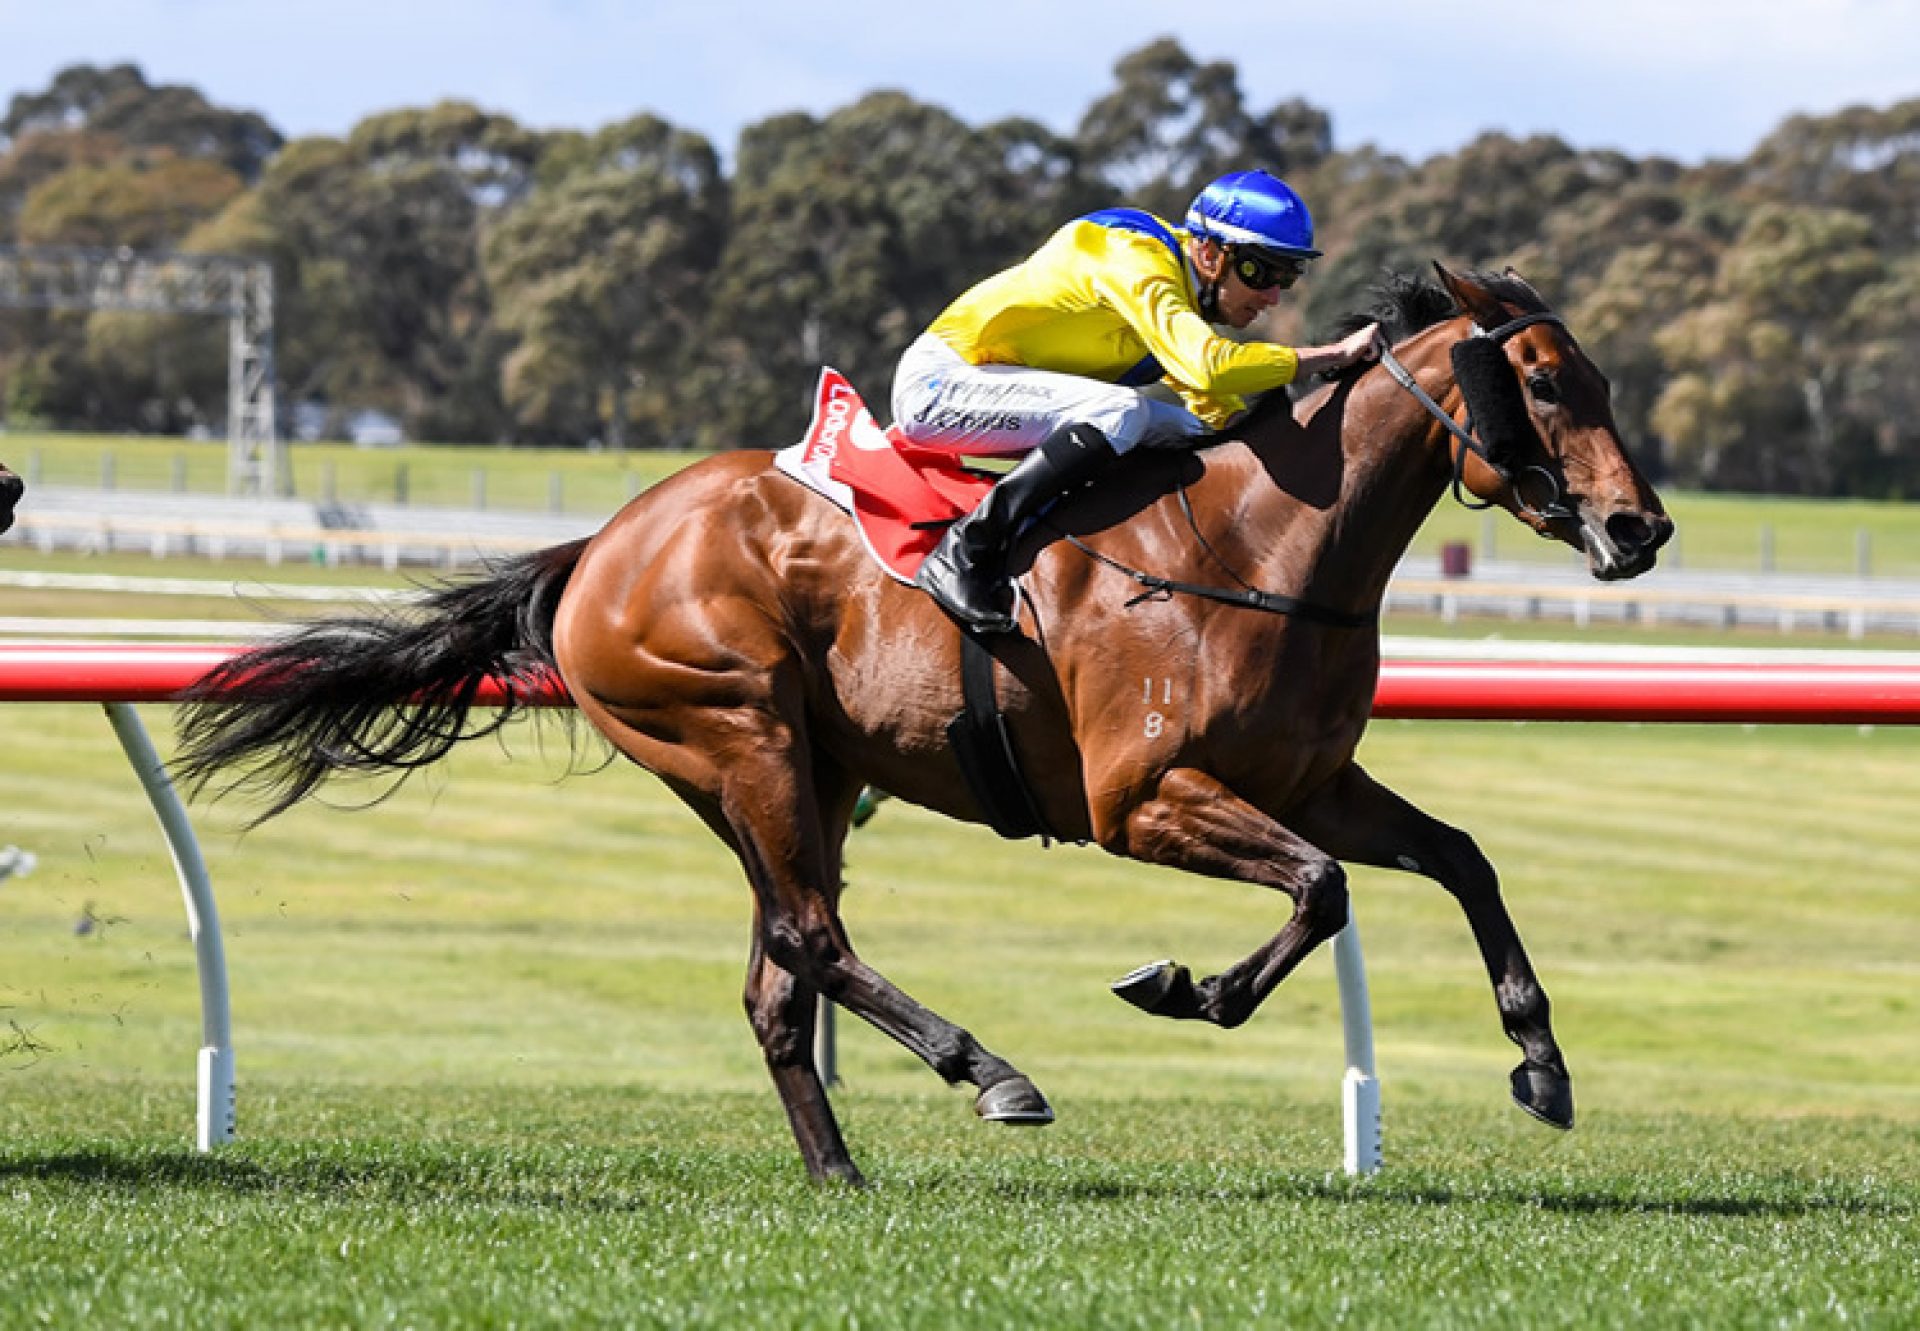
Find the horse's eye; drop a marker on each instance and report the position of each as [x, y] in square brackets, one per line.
[1543, 390]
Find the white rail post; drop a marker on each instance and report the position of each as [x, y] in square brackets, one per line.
[1360, 1091]
[826, 1043]
[216, 1080]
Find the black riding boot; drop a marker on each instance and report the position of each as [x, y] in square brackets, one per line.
[967, 571]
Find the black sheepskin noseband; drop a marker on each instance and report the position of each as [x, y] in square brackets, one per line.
[1494, 400]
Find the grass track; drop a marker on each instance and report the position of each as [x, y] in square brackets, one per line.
[493, 1068]
[637, 1207]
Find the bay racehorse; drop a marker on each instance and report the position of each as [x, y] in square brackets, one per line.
[727, 632]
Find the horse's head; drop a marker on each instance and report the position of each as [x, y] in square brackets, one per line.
[1550, 452]
[11, 488]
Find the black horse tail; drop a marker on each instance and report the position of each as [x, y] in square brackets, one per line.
[381, 692]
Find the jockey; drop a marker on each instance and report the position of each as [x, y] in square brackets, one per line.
[1047, 359]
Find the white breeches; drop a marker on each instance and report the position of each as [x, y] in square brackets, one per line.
[941, 400]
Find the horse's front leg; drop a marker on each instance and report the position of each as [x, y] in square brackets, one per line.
[1193, 822]
[1361, 821]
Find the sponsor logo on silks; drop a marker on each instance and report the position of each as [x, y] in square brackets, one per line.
[834, 406]
[839, 416]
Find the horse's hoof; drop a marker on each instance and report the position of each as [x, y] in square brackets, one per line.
[1016, 1101]
[1163, 988]
[1544, 1093]
[847, 1175]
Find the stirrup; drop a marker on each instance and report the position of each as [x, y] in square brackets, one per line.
[945, 579]
[989, 619]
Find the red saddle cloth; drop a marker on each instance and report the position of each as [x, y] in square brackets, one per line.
[902, 496]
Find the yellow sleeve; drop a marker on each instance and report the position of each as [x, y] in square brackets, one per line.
[1215, 411]
[1209, 371]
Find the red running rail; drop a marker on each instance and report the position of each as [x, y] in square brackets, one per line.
[143, 672]
[1762, 693]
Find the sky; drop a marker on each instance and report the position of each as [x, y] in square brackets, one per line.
[1687, 79]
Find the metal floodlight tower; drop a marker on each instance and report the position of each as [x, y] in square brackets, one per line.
[64, 278]
[256, 456]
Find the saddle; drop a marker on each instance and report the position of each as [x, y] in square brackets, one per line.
[902, 496]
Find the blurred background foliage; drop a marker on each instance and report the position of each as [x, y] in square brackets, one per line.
[636, 286]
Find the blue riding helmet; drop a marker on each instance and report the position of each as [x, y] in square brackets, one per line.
[1254, 208]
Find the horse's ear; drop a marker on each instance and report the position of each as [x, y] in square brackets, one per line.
[1471, 297]
[1513, 275]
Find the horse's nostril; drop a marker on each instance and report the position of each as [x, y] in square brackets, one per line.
[1631, 532]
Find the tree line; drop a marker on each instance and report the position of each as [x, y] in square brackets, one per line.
[484, 281]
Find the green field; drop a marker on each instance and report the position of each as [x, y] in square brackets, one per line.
[494, 1070]
[571, 480]
[1716, 531]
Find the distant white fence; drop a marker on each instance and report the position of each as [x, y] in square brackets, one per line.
[1853, 609]
[164, 538]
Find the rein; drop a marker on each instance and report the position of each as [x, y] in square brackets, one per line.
[1249, 597]
[1470, 441]
[1246, 595]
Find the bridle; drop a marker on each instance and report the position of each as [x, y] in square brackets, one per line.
[1495, 458]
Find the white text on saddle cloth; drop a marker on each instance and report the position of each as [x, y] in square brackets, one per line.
[838, 414]
[900, 499]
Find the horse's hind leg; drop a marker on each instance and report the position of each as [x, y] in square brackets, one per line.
[1193, 822]
[747, 771]
[783, 1012]
[1360, 820]
[801, 932]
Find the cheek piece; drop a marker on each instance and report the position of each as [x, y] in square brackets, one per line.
[1495, 404]
[1497, 413]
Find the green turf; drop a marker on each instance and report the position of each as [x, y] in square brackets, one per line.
[494, 1070]
[240, 590]
[648, 1208]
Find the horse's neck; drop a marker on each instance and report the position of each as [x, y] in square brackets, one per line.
[1334, 500]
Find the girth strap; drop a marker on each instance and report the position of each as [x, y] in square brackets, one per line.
[984, 750]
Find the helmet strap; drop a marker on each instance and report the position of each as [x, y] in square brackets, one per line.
[1210, 302]
[1209, 294]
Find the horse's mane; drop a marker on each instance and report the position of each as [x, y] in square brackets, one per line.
[1402, 304]
[1405, 303]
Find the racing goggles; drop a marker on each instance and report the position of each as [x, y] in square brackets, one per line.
[1263, 270]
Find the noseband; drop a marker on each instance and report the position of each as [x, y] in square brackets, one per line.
[1494, 456]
